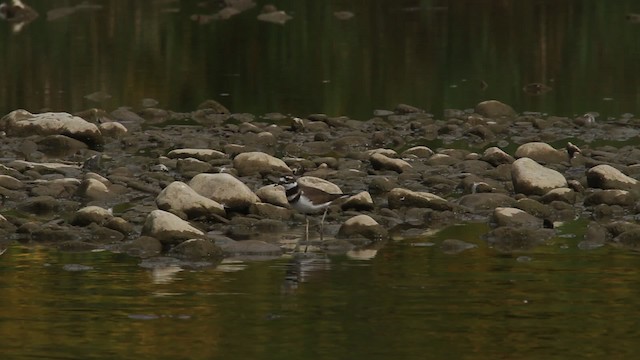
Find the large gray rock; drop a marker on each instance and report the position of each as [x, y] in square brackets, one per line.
[225, 189]
[541, 152]
[486, 201]
[362, 226]
[273, 194]
[496, 156]
[610, 197]
[508, 216]
[494, 109]
[200, 154]
[319, 183]
[380, 161]
[607, 177]
[169, 228]
[23, 123]
[531, 178]
[195, 249]
[180, 199]
[400, 197]
[252, 163]
[92, 214]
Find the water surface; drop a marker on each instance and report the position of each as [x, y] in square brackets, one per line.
[432, 54]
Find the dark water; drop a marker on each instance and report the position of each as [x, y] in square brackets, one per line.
[431, 54]
[407, 301]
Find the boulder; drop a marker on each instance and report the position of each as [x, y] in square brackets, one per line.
[169, 228]
[178, 198]
[607, 177]
[494, 109]
[531, 178]
[508, 216]
[22, 123]
[380, 161]
[195, 249]
[273, 194]
[610, 197]
[359, 202]
[541, 152]
[362, 226]
[486, 201]
[225, 189]
[92, 214]
[400, 197]
[496, 156]
[200, 154]
[252, 163]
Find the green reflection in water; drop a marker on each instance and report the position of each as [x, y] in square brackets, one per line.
[431, 54]
[407, 302]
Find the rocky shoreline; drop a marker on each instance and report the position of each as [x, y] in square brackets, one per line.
[200, 185]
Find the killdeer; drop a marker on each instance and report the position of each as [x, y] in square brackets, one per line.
[308, 200]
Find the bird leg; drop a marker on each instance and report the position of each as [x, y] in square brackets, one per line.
[306, 239]
[322, 225]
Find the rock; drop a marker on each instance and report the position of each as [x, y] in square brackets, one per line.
[252, 163]
[494, 109]
[113, 129]
[273, 194]
[495, 156]
[560, 194]
[178, 198]
[542, 153]
[91, 214]
[39, 205]
[628, 240]
[194, 249]
[60, 144]
[144, 246]
[93, 189]
[610, 197]
[359, 202]
[319, 183]
[169, 228]
[454, 246]
[399, 197]
[362, 226]
[58, 188]
[607, 177]
[508, 216]
[382, 162]
[251, 248]
[225, 189]
[200, 154]
[531, 178]
[11, 183]
[422, 152]
[22, 123]
[595, 237]
[486, 201]
[192, 166]
[270, 211]
[508, 239]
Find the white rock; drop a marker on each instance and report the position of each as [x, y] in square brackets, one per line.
[608, 177]
[169, 228]
[225, 189]
[255, 162]
[541, 152]
[180, 199]
[23, 123]
[273, 194]
[200, 154]
[531, 178]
